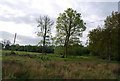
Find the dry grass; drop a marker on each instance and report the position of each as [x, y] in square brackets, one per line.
[59, 70]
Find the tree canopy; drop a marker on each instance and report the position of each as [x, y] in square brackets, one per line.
[69, 28]
[105, 41]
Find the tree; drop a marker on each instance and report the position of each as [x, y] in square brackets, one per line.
[96, 37]
[44, 25]
[69, 28]
[112, 29]
[105, 41]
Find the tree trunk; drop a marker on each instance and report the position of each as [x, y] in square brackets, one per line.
[66, 51]
[44, 39]
[43, 51]
[66, 46]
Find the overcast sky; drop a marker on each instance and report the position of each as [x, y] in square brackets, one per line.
[19, 16]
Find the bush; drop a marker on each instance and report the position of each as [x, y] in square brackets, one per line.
[29, 48]
[72, 50]
[59, 50]
[78, 50]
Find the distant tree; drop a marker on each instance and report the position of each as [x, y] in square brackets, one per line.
[75, 50]
[69, 28]
[78, 50]
[6, 44]
[59, 50]
[44, 25]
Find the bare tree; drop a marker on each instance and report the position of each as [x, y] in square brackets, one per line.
[44, 25]
[6, 44]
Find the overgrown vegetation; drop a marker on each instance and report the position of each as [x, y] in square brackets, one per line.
[36, 70]
[73, 50]
[104, 41]
[54, 67]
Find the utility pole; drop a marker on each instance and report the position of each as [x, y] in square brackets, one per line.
[15, 38]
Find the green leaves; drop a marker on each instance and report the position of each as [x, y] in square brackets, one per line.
[69, 27]
[70, 23]
[104, 41]
[40, 34]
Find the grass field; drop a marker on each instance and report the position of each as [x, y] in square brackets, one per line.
[28, 65]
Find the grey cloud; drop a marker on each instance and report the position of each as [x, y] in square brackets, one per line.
[27, 19]
[102, 9]
[6, 35]
[23, 40]
[29, 14]
[28, 40]
[19, 5]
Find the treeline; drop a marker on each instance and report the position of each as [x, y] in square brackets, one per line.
[28, 48]
[73, 50]
[105, 41]
[76, 50]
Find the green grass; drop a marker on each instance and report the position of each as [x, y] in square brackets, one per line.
[21, 52]
[52, 57]
[52, 66]
[17, 58]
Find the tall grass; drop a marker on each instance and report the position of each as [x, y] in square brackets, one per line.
[37, 66]
[32, 69]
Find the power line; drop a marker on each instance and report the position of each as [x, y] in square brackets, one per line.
[96, 21]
